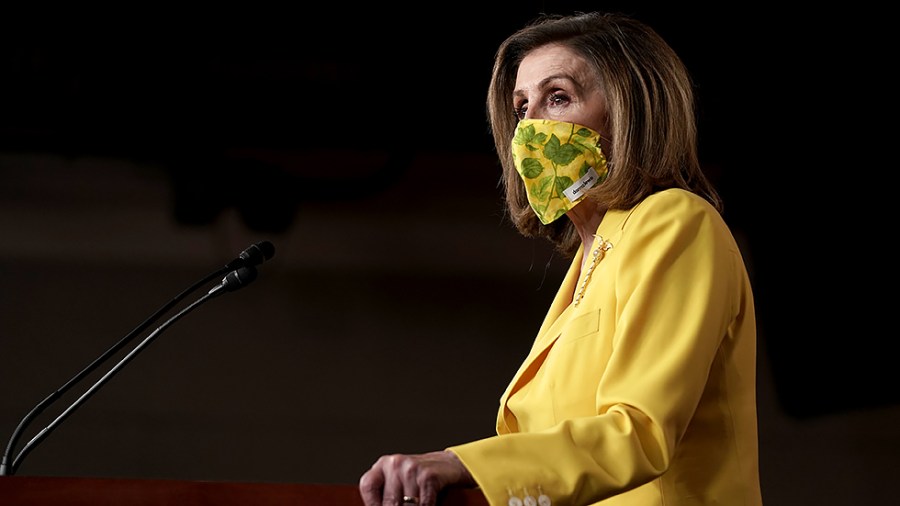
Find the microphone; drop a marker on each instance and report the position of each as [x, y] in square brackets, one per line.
[254, 255]
[242, 273]
[235, 279]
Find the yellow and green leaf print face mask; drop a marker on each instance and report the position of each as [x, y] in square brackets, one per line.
[558, 162]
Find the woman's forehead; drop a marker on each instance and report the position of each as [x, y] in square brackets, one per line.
[551, 62]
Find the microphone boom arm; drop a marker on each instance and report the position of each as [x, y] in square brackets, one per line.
[102, 381]
[50, 399]
[241, 267]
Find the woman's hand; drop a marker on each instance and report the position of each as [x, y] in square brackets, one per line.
[412, 479]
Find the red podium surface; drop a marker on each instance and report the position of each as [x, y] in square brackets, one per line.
[61, 491]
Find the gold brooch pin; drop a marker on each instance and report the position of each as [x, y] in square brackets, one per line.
[599, 252]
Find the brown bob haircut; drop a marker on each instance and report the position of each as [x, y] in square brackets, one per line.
[652, 115]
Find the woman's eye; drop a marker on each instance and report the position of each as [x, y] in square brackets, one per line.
[519, 112]
[552, 100]
[556, 99]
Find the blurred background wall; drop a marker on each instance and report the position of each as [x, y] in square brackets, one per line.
[141, 152]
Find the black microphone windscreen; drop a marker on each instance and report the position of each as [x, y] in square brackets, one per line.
[239, 278]
[267, 249]
[254, 255]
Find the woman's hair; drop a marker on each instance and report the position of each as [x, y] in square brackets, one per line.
[652, 116]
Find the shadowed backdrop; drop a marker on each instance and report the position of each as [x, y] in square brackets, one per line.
[140, 153]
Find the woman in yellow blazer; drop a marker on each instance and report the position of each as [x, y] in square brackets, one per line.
[640, 388]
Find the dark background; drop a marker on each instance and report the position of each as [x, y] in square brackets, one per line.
[141, 151]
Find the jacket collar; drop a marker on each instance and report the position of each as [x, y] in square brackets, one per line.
[610, 228]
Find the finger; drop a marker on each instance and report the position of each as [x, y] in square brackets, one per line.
[371, 484]
[408, 470]
[393, 495]
[393, 486]
[432, 478]
[427, 493]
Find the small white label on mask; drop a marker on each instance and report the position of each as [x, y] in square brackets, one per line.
[576, 191]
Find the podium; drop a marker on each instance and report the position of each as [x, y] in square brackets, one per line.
[65, 491]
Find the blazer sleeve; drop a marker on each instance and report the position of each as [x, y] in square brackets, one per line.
[673, 290]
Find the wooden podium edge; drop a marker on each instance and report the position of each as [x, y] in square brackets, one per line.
[86, 491]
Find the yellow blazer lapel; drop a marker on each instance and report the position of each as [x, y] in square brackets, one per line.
[611, 229]
[546, 336]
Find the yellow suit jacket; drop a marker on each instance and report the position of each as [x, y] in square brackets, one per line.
[645, 392]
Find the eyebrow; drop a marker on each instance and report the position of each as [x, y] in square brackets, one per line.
[544, 81]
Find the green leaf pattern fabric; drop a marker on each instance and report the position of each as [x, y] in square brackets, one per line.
[552, 156]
